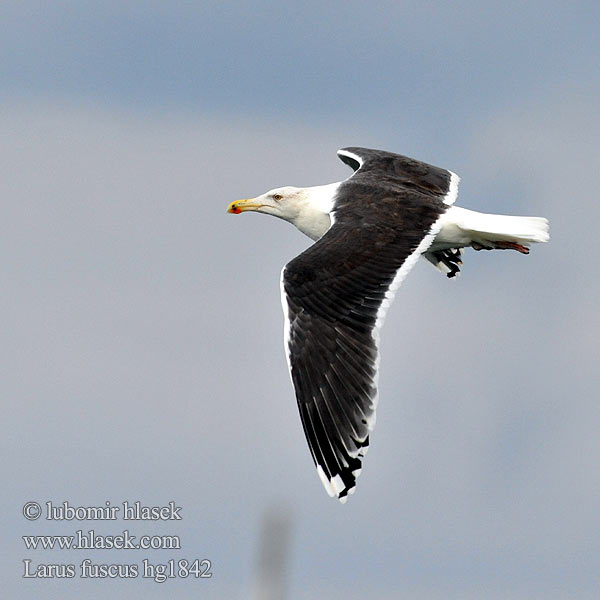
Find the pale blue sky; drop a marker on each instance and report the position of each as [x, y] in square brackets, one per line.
[144, 354]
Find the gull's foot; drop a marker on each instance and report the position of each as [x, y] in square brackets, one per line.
[512, 246]
[501, 246]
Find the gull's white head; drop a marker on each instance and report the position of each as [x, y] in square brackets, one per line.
[306, 208]
[284, 202]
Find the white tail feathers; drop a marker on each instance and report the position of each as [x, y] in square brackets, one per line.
[462, 227]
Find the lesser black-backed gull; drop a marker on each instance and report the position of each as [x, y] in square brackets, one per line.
[370, 229]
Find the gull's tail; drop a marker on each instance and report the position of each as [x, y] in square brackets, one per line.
[481, 231]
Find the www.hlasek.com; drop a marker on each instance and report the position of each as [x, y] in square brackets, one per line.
[124, 540]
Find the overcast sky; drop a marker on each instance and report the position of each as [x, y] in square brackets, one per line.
[143, 356]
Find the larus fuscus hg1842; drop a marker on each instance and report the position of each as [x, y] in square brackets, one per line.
[370, 229]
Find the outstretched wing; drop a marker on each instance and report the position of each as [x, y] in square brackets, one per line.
[334, 297]
[386, 168]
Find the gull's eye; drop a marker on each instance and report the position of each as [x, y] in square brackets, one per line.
[277, 197]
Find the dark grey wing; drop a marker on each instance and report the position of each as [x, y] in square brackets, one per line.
[387, 168]
[334, 297]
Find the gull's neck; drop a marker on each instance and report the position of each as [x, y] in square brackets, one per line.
[314, 219]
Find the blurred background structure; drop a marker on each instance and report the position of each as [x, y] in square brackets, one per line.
[272, 566]
[142, 326]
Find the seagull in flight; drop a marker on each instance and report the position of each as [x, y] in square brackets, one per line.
[369, 231]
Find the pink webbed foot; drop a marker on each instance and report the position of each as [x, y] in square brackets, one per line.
[512, 246]
[501, 246]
